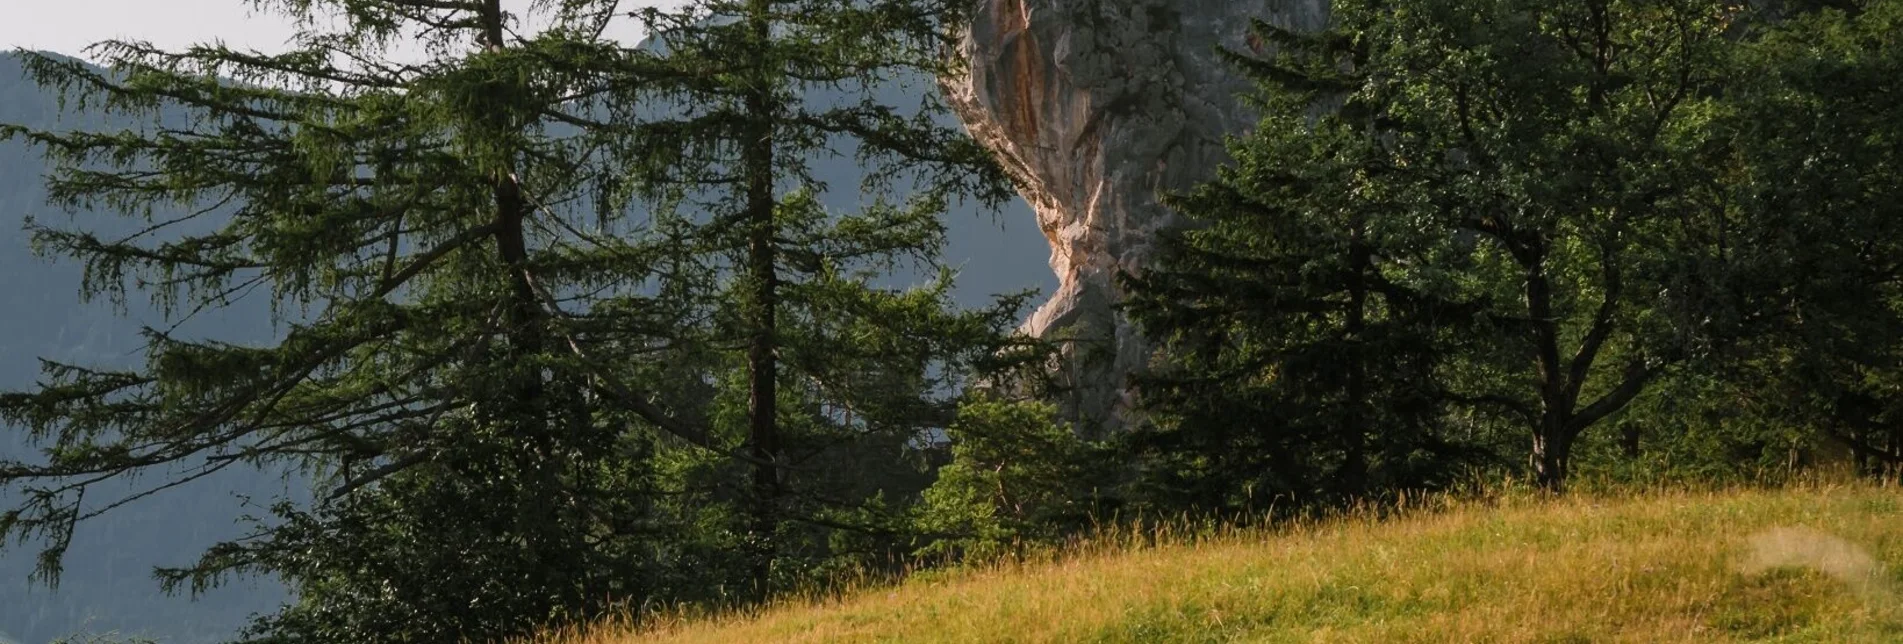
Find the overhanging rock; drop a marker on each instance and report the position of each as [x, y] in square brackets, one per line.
[1098, 106]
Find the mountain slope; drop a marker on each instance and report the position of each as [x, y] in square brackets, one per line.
[107, 585]
[1807, 565]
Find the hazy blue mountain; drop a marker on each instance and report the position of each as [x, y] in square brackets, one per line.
[108, 585]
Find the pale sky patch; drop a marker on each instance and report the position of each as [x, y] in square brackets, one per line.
[68, 26]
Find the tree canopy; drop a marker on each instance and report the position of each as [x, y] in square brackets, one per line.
[543, 297]
[1504, 214]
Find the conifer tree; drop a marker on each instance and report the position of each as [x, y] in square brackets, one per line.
[1297, 356]
[831, 371]
[513, 304]
[412, 223]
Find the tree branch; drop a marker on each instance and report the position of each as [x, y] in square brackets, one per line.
[1637, 376]
[379, 473]
[1601, 329]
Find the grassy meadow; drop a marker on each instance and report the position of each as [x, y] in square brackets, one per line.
[1813, 563]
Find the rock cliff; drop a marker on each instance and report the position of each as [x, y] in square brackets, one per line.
[1097, 106]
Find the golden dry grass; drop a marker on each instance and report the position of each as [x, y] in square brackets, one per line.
[1812, 564]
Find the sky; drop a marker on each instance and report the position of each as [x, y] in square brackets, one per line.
[68, 26]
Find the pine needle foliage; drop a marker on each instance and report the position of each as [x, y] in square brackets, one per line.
[827, 378]
[563, 322]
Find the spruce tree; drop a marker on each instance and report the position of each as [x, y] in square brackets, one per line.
[829, 372]
[1298, 347]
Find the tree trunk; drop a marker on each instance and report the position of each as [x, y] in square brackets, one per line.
[1353, 477]
[1552, 457]
[1865, 465]
[527, 409]
[762, 359]
[525, 315]
[1552, 441]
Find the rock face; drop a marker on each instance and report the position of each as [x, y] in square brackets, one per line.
[1097, 106]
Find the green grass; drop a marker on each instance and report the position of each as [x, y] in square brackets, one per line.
[1809, 564]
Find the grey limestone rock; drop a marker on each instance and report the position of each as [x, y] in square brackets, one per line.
[1097, 106]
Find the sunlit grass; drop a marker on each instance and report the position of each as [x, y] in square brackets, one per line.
[1662, 567]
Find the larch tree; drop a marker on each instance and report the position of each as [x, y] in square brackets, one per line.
[416, 225]
[505, 317]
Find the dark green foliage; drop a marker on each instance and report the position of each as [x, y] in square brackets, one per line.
[821, 383]
[1816, 137]
[503, 540]
[1594, 213]
[1805, 150]
[1017, 477]
[1500, 208]
[1676, 218]
[409, 223]
[565, 327]
[1301, 346]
